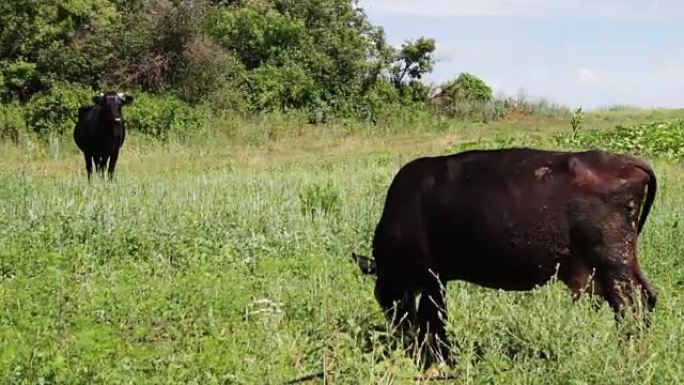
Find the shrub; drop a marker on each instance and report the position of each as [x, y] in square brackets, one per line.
[11, 121]
[282, 88]
[468, 97]
[468, 88]
[379, 103]
[56, 111]
[160, 116]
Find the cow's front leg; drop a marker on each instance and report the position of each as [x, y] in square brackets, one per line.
[432, 316]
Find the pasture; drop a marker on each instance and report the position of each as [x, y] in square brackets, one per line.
[228, 263]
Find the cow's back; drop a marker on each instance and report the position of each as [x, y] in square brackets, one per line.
[489, 217]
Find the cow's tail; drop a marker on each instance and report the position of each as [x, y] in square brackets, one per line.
[366, 264]
[650, 193]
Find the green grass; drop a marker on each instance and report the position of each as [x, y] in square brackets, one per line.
[228, 263]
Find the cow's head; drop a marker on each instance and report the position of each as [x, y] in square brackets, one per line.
[111, 104]
[366, 264]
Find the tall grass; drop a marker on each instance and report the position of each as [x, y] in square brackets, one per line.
[240, 274]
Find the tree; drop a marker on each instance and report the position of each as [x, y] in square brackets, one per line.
[303, 53]
[413, 60]
[321, 56]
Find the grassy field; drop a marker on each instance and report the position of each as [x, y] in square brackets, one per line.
[228, 263]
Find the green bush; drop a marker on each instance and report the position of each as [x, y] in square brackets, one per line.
[468, 88]
[379, 103]
[468, 97]
[162, 116]
[55, 112]
[11, 121]
[282, 88]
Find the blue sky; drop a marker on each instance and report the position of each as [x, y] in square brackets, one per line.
[576, 52]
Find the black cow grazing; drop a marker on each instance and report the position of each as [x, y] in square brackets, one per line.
[100, 131]
[510, 219]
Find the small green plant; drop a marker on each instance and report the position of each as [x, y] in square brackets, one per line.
[576, 122]
[318, 198]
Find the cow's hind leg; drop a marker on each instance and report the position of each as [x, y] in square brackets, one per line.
[626, 288]
[432, 316]
[607, 238]
[112, 164]
[88, 164]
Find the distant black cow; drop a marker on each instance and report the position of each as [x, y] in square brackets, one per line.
[100, 131]
[510, 219]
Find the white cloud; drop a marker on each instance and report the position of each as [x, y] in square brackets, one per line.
[629, 9]
[586, 76]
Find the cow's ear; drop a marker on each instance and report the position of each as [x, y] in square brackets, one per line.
[97, 99]
[128, 99]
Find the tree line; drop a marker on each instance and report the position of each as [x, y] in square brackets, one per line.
[323, 57]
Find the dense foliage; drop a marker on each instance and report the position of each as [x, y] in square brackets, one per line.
[322, 58]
